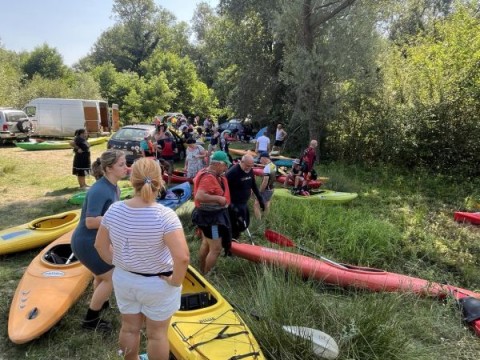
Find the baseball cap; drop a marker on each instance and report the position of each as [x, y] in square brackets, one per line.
[220, 156]
[264, 154]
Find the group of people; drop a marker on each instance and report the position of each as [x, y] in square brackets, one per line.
[303, 171]
[221, 194]
[145, 260]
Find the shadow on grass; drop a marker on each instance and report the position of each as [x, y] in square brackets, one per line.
[64, 191]
[26, 211]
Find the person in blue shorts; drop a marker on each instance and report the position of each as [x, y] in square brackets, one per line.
[103, 193]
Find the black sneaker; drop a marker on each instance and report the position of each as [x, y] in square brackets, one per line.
[105, 306]
[97, 325]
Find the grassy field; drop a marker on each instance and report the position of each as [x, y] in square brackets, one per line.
[401, 222]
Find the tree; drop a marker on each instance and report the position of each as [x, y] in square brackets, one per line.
[141, 27]
[46, 62]
[245, 59]
[409, 18]
[181, 77]
[10, 78]
[313, 29]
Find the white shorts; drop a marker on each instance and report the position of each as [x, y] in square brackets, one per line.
[151, 296]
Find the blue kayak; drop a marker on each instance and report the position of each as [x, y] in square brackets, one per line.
[176, 196]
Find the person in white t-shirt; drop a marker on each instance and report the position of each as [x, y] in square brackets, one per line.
[146, 243]
[280, 136]
[263, 143]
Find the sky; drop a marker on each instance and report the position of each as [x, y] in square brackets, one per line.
[70, 26]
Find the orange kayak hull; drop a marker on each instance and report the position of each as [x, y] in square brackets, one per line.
[46, 291]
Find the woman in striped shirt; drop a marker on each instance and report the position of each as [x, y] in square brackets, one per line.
[151, 257]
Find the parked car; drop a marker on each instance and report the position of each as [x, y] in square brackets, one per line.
[232, 124]
[237, 126]
[128, 139]
[14, 125]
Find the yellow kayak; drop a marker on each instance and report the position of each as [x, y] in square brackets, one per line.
[52, 283]
[207, 327]
[38, 232]
[97, 140]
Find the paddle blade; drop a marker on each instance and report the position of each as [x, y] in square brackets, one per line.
[323, 344]
[277, 238]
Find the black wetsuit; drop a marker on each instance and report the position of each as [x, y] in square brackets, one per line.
[241, 185]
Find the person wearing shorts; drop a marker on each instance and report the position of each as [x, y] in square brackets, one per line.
[212, 198]
[103, 193]
[151, 257]
[280, 136]
[266, 187]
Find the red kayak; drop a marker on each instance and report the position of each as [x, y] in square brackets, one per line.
[178, 176]
[313, 184]
[470, 217]
[361, 277]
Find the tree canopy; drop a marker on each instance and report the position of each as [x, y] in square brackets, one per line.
[372, 81]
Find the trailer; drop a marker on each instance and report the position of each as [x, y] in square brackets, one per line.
[54, 117]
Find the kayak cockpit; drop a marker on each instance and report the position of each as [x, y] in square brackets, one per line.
[195, 301]
[51, 223]
[61, 254]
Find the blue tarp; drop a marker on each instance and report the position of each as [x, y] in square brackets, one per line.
[260, 132]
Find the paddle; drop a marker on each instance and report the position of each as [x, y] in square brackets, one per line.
[282, 240]
[323, 345]
[248, 232]
[70, 258]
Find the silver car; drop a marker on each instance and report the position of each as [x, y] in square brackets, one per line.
[14, 125]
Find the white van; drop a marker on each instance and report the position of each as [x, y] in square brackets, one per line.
[52, 117]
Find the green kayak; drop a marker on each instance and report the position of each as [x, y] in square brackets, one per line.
[55, 144]
[79, 198]
[326, 196]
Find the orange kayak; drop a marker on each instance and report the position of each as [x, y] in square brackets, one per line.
[52, 283]
[241, 152]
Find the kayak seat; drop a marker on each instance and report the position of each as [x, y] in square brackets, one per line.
[470, 308]
[59, 255]
[194, 301]
[53, 258]
[178, 192]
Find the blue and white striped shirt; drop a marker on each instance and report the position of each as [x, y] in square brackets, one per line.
[137, 236]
